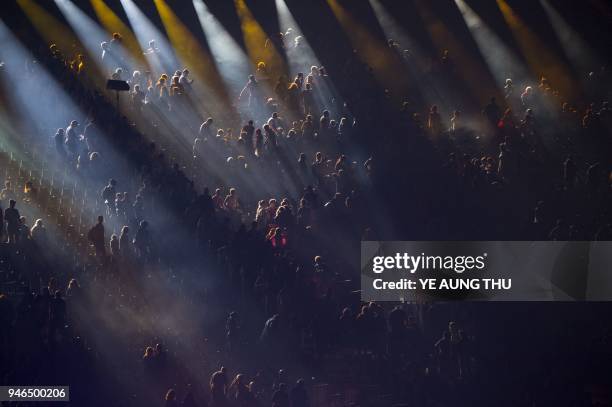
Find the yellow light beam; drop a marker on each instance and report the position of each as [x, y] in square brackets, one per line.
[475, 75]
[53, 31]
[255, 40]
[50, 28]
[539, 57]
[112, 23]
[191, 54]
[374, 52]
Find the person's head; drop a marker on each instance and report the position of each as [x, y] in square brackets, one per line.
[100, 219]
[251, 78]
[232, 191]
[250, 122]
[73, 284]
[209, 121]
[22, 220]
[171, 395]
[38, 223]
[185, 72]
[325, 113]
[125, 230]
[261, 66]
[112, 182]
[12, 203]
[74, 124]
[293, 86]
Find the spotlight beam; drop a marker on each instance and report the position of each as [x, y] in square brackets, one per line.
[503, 63]
[577, 50]
[163, 59]
[540, 59]
[258, 44]
[232, 63]
[191, 54]
[91, 35]
[113, 23]
[372, 51]
[474, 74]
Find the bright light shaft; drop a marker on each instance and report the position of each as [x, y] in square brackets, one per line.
[392, 29]
[42, 103]
[113, 23]
[417, 66]
[580, 54]
[89, 32]
[161, 61]
[502, 62]
[303, 57]
[299, 60]
[232, 63]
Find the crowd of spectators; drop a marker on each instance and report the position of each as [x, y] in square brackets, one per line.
[221, 269]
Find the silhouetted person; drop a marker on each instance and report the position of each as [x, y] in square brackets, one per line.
[13, 222]
[96, 237]
[299, 396]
